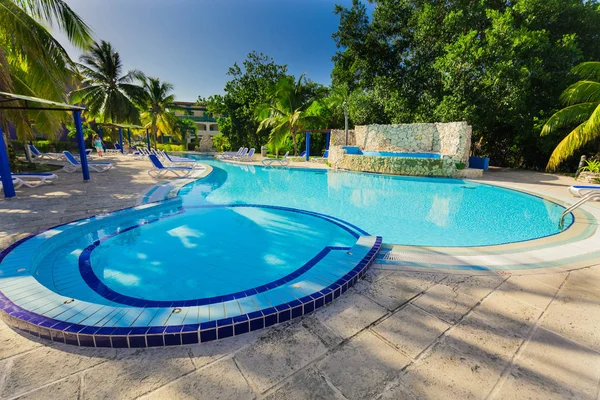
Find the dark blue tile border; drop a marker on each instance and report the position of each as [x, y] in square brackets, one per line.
[158, 336]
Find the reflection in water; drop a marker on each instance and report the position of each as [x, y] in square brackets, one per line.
[404, 210]
[184, 233]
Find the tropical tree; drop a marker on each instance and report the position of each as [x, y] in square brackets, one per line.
[109, 96]
[186, 127]
[582, 108]
[286, 112]
[157, 105]
[33, 62]
[338, 101]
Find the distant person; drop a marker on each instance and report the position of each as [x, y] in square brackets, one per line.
[98, 145]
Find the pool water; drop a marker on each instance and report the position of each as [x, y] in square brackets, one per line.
[403, 210]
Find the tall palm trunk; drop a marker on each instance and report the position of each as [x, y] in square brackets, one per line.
[154, 130]
[294, 139]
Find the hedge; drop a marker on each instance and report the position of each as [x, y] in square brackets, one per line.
[172, 147]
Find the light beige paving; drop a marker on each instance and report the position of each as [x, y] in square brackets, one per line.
[398, 334]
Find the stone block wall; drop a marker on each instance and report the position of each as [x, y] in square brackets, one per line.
[451, 140]
[338, 137]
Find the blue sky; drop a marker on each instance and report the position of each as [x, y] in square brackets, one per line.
[192, 43]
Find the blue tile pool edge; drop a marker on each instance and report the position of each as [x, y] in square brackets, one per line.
[158, 336]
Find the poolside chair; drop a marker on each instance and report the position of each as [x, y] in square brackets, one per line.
[579, 191]
[325, 157]
[17, 183]
[114, 149]
[273, 161]
[73, 164]
[159, 170]
[245, 157]
[183, 161]
[231, 153]
[36, 153]
[241, 153]
[301, 157]
[31, 179]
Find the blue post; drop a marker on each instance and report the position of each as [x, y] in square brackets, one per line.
[307, 146]
[81, 144]
[129, 137]
[100, 133]
[148, 138]
[327, 140]
[7, 183]
[121, 139]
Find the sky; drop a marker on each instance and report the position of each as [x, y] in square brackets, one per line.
[192, 43]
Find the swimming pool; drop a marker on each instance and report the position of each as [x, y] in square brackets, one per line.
[403, 210]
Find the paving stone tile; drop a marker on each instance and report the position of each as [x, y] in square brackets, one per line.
[219, 381]
[445, 302]
[350, 313]
[397, 288]
[307, 384]
[362, 367]
[327, 335]
[66, 389]
[529, 290]
[205, 353]
[411, 329]
[575, 311]
[135, 373]
[12, 342]
[278, 354]
[550, 360]
[48, 364]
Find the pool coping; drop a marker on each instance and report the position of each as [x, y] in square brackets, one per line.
[183, 334]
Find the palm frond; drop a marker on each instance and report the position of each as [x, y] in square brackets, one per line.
[567, 147]
[588, 70]
[581, 92]
[568, 116]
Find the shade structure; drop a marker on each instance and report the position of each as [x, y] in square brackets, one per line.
[11, 101]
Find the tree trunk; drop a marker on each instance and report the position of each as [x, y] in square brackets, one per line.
[295, 142]
[27, 152]
[154, 132]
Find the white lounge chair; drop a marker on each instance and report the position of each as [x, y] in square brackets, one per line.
[17, 183]
[245, 157]
[228, 154]
[74, 164]
[269, 162]
[301, 157]
[325, 156]
[582, 190]
[159, 170]
[182, 161]
[31, 179]
[241, 153]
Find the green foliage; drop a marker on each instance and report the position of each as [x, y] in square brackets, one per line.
[460, 165]
[499, 65]
[582, 101]
[156, 103]
[33, 62]
[171, 147]
[87, 130]
[186, 128]
[50, 146]
[108, 95]
[591, 166]
[221, 143]
[291, 107]
[246, 89]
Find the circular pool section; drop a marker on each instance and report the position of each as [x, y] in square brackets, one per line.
[161, 274]
[403, 210]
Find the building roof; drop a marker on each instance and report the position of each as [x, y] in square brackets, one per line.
[190, 104]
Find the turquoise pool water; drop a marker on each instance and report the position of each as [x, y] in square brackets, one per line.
[404, 210]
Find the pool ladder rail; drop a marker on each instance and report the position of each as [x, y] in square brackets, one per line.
[593, 195]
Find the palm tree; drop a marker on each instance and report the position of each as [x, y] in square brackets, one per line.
[287, 111]
[157, 105]
[110, 96]
[338, 98]
[582, 101]
[32, 61]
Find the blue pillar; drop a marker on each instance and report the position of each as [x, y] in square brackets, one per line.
[129, 137]
[121, 139]
[7, 183]
[81, 144]
[148, 138]
[100, 133]
[327, 140]
[307, 146]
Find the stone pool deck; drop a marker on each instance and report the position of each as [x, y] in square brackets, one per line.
[400, 333]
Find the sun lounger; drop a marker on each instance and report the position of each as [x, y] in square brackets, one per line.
[74, 164]
[17, 183]
[159, 170]
[325, 156]
[245, 157]
[269, 162]
[31, 179]
[582, 190]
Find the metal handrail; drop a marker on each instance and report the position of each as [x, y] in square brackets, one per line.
[594, 195]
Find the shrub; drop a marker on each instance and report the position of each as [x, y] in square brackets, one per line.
[171, 147]
[592, 166]
[460, 165]
[221, 143]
